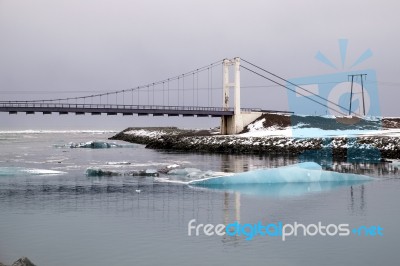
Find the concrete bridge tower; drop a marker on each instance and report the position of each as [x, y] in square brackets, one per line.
[234, 124]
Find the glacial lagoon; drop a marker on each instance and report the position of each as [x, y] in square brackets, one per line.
[55, 214]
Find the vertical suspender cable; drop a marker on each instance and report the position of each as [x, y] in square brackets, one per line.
[193, 88]
[168, 91]
[197, 88]
[138, 96]
[208, 86]
[163, 93]
[178, 91]
[148, 95]
[211, 85]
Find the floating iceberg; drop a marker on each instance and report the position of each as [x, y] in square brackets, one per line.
[101, 172]
[183, 171]
[94, 145]
[297, 173]
[151, 172]
[94, 171]
[287, 181]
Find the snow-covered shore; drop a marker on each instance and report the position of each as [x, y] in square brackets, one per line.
[278, 134]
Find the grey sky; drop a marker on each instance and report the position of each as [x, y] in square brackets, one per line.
[99, 45]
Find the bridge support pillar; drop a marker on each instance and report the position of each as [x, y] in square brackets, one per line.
[231, 124]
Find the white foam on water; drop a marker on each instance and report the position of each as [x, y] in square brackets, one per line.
[43, 172]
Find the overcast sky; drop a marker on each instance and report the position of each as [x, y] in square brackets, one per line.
[53, 46]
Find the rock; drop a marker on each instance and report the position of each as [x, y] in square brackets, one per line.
[24, 261]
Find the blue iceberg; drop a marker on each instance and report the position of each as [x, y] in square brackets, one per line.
[298, 173]
[288, 181]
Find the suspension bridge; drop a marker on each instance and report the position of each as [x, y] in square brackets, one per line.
[193, 93]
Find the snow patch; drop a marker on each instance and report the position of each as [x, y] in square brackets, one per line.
[146, 133]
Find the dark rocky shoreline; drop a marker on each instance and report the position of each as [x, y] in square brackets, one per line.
[374, 147]
[174, 139]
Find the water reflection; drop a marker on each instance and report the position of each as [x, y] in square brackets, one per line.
[357, 203]
[169, 204]
[227, 217]
[235, 163]
[243, 163]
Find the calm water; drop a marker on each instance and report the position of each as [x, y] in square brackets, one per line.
[71, 219]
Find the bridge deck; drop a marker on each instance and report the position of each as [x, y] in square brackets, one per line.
[96, 109]
[112, 109]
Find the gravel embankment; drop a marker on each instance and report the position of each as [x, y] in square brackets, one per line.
[195, 141]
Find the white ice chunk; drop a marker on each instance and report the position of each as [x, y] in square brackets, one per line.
[118, 163]
[173, 166]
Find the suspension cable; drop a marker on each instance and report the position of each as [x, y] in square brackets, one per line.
[291, 83]
[146, 86]
[324, 105]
